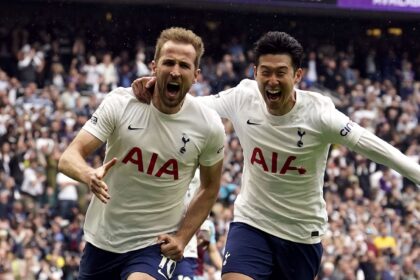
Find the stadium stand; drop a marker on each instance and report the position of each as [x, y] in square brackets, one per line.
[59, 59]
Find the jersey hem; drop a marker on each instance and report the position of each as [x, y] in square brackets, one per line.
[282, 236]
[91, 240]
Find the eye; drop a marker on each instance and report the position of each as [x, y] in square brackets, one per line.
[168, 63]
[185, 65]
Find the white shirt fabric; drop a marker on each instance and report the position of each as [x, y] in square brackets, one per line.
[285, 159]
[157, 157]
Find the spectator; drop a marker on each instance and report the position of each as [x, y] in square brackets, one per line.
[108, 71]
[140, 67]
[69, 96]
[366, 100]
[67, 196]
[58, 78]
[311, 73]
[92, 73]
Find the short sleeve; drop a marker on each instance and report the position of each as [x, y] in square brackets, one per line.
[105, 118]
[213, 151]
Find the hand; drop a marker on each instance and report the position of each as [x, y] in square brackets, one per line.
[171, 246]
[97, 185]
[203, 239]
[143, 88]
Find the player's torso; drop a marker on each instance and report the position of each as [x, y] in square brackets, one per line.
[155, 146]
[284, 164]
[283, 147]
[157, 157]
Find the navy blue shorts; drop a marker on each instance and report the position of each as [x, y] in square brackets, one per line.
[99, 264]
[260, 255]
[185, 269]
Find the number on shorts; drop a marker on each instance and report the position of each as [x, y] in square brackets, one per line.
[168, 266]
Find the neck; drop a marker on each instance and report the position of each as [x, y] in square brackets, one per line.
[164, 108]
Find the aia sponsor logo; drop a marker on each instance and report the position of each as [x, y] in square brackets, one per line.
[169, 167]
[257, 158]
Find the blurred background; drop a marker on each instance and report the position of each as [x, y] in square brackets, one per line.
[59, 59]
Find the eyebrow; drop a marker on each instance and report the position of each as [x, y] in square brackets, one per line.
[179, 61]
[277, 68]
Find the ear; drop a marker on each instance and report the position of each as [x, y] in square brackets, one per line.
[196, 73]
[298, 75]
[255, 72]
[153, 66]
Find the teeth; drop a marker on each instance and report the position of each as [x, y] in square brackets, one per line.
[270, 91]
[173, 83]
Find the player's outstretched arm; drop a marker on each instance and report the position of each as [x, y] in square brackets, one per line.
[376, 149]
[198, 210]
[73, 164]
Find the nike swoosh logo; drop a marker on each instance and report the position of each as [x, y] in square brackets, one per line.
[134, 128]
[251, 123]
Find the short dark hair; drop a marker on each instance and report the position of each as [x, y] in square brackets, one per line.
[275, 42]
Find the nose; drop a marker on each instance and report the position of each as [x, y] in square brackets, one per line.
[175, 71]
[272, 80]
[174, 74]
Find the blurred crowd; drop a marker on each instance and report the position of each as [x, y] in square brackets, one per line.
[50, 86]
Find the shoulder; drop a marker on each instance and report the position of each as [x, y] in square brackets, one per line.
[248, 86]
[312, 98]
[121, 93]
[120, 98]
[248, 83]
[199, 108]
[246, 91]
[207, 117]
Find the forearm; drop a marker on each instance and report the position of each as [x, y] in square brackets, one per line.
[197, 212]
[381, 152]
[75, 166]
[73, 160]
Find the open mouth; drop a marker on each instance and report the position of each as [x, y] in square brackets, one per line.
[273, 95]
[173, 87]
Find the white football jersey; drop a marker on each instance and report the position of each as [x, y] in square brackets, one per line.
[284, 159]
[157, 157]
